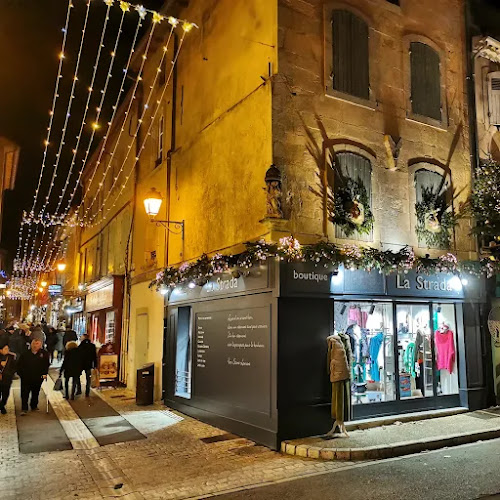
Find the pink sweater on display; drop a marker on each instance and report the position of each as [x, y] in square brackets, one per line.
[445, 350]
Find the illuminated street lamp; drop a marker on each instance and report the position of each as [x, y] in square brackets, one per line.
[61, 266]
[40, 289]
[43, 284]
[153, 202]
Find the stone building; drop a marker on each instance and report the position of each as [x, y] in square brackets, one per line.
[369, 93]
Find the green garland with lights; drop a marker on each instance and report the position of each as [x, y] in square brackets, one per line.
[485, 203]
[351, 208]
[435, 219]
[320, 254]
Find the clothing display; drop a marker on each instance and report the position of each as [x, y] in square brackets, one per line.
[341, 401]
[445, 349]
[375, 343]
[338, 363]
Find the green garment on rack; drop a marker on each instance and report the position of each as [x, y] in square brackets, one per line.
[341, 401]
[409, 359]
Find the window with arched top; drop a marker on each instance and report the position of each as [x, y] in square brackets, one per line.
[357, 170]
[425, 81]
[433, 197]
[350, 54]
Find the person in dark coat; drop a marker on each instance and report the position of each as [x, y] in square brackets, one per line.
[17, 343]
[33, 368]
[59, 347]
[71, 368]
[51, 342]
[7, 370]
[4, 337]
[88, 356]
[69, 336]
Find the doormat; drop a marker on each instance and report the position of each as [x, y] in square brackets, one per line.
[220, 437]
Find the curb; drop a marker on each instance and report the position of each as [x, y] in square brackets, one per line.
[385, 451]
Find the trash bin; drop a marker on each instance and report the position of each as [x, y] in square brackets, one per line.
[145, 385]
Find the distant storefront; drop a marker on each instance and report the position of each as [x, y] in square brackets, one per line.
[249, 353]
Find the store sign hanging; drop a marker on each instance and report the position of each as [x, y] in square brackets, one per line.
[55, 290]
[413, 284]
[100, 299]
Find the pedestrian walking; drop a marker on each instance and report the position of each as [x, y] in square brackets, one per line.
[37, 333]
[33, 369]
[17, 342]
[88, 357]
[69, 336]
[71, 368]
[7, 370]
[51, 341]
[59, 344]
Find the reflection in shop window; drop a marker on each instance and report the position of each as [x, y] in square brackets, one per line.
[443, 321]
[370, 330]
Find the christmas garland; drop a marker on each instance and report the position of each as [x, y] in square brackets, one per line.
[435, 219]
[351, 208]
[321, 254]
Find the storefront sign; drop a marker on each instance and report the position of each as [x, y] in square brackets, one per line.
[421, 285]
[304, 278]
[223, 285]
[108, 366]
[55, 290]
[100, 299]
[232, 357]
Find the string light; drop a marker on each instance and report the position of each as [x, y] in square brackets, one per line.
[101, 210]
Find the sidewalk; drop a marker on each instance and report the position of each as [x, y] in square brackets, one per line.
[400, 438]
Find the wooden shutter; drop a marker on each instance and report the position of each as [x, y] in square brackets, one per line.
[355, 167]
[350, 54]
[425, 81]
[494, 98]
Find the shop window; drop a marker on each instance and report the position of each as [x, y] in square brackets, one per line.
[357, 168]
[369, 326]
[109, 332]
[414, 351]
[425, 81]
[445, 347]
[350, 54]
[183, 353]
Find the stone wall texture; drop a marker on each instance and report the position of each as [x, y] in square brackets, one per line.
[304, 115]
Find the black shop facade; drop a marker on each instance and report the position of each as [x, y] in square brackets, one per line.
[249, 353]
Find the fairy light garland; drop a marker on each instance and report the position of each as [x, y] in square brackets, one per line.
[27, 262]
[174, 24]
[122, 128]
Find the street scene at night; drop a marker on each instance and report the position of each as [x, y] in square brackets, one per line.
[250, 249]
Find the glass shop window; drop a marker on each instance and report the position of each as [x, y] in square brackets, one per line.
[445, 348]
[370, 330]
[414, 351]
[183, 354]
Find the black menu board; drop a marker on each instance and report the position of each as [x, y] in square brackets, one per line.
[233, 357]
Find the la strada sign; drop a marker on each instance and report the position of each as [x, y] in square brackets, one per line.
[422, 285]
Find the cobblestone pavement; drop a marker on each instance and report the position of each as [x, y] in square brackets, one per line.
[172, 463]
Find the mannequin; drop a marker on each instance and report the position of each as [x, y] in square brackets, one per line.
[339, 356]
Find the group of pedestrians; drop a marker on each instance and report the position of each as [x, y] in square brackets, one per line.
[29, 351]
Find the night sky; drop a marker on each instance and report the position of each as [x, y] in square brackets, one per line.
[30, 41]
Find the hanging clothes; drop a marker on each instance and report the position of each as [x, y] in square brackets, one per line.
[409, 359]
[341, 400]
[375, 344]
[354, 315]
[445, 349]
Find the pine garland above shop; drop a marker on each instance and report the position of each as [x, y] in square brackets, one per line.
[321, 254]
[351, 208]
[435, 218]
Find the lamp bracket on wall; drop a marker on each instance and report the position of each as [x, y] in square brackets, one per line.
[178, 226]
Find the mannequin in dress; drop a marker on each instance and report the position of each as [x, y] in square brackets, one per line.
[339, 355]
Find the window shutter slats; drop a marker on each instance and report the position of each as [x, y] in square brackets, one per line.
[350, 54]
[494, 98]
[425, 81]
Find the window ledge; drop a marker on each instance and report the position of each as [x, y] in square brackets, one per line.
[358, 101]
[425, 120]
